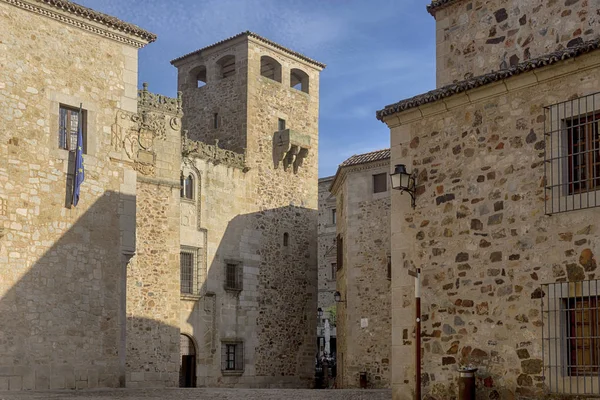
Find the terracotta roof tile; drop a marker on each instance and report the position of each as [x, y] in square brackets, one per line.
[366, 157]
[104, 19]
[472, 83]
[255, 36]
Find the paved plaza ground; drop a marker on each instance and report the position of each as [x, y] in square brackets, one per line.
[200, 394]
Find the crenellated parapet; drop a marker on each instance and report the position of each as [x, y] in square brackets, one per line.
[157, 102]
[213, 153]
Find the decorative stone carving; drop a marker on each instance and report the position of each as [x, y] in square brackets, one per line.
[291, 148]
[213, 153]
[159, 103]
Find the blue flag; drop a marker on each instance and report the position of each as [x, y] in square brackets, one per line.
[79, 175]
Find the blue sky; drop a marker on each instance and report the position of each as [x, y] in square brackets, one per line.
[377, 52]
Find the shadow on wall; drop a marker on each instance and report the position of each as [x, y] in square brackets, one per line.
[261, 294]
[63, 319]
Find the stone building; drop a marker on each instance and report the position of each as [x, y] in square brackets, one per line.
[249, 212]
[505, 157]
[327, 253]
[363, 270]
[186, 261]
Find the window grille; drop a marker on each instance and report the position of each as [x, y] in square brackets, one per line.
[571, 337]
[572, 154]
[189, 271]
[232, 356]
[380, 183]
[68, 126]
[233, 276]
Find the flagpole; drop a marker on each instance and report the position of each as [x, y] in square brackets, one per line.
[75, 172]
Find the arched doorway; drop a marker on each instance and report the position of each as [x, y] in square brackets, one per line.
[187, 366]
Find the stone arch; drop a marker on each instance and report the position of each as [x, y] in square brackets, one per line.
[270, 68]
[187, 362]
[197, 76]
[187, 184]
[299, 80]
[226, 66]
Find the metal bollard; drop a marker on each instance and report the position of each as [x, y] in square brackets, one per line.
[466, 383]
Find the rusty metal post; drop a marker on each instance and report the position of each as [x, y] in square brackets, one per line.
[466, 383]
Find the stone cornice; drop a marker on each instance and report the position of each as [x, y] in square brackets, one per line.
[436, 5]
[88, 20]
[489, 78]
[343, 171]
[258, 38]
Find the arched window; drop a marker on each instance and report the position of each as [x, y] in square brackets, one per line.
[286, 239]
[187, 186]
[270, 68]
[198, 76]
[187, 366]
[299, 80]
[226, 66]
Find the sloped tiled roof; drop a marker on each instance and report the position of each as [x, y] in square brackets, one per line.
[437, 4]
[255, 36]
[366, 157]
[104, 19]
[495, 76]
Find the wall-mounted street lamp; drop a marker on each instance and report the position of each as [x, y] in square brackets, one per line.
[403, 181]
[338, 297]
[319, 312]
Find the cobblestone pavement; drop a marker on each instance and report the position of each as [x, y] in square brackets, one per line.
[200, 394]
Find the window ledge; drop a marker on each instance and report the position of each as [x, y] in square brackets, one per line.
[190, 201]
[190, 297]
[232, 373]
[229, 289]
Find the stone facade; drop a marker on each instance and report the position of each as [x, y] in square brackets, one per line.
[477, 37]
[256, 209]
[97, 295]
[327, 260]
[363, 229]
[67, 271]
[481, 232]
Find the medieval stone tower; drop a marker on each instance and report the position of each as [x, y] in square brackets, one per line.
[249, 219]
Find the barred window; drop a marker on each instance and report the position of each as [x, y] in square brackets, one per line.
[572, 154]
[233, 276]
[333, 216]
[232, 356]
[68, 127]
[189, 270]
[571, 336]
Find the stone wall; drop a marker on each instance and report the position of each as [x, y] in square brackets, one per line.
[364, 319]
[480, 235]
[476, 37]
[247, 204]
[327, 249]
[61, 267]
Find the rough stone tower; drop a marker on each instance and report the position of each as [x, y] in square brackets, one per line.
[260, 100]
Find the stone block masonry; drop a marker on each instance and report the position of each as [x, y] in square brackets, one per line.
[477, 37]
[480, 235]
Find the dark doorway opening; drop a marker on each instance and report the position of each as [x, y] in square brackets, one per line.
[187, 368]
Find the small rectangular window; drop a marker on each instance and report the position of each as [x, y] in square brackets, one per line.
[232, 356]
[380, 183]
[281, 124]
[189, 271]
[389, 267]
[333, 271]
[68, 125]
[333, 216]
[233, 276]
[216, 120]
